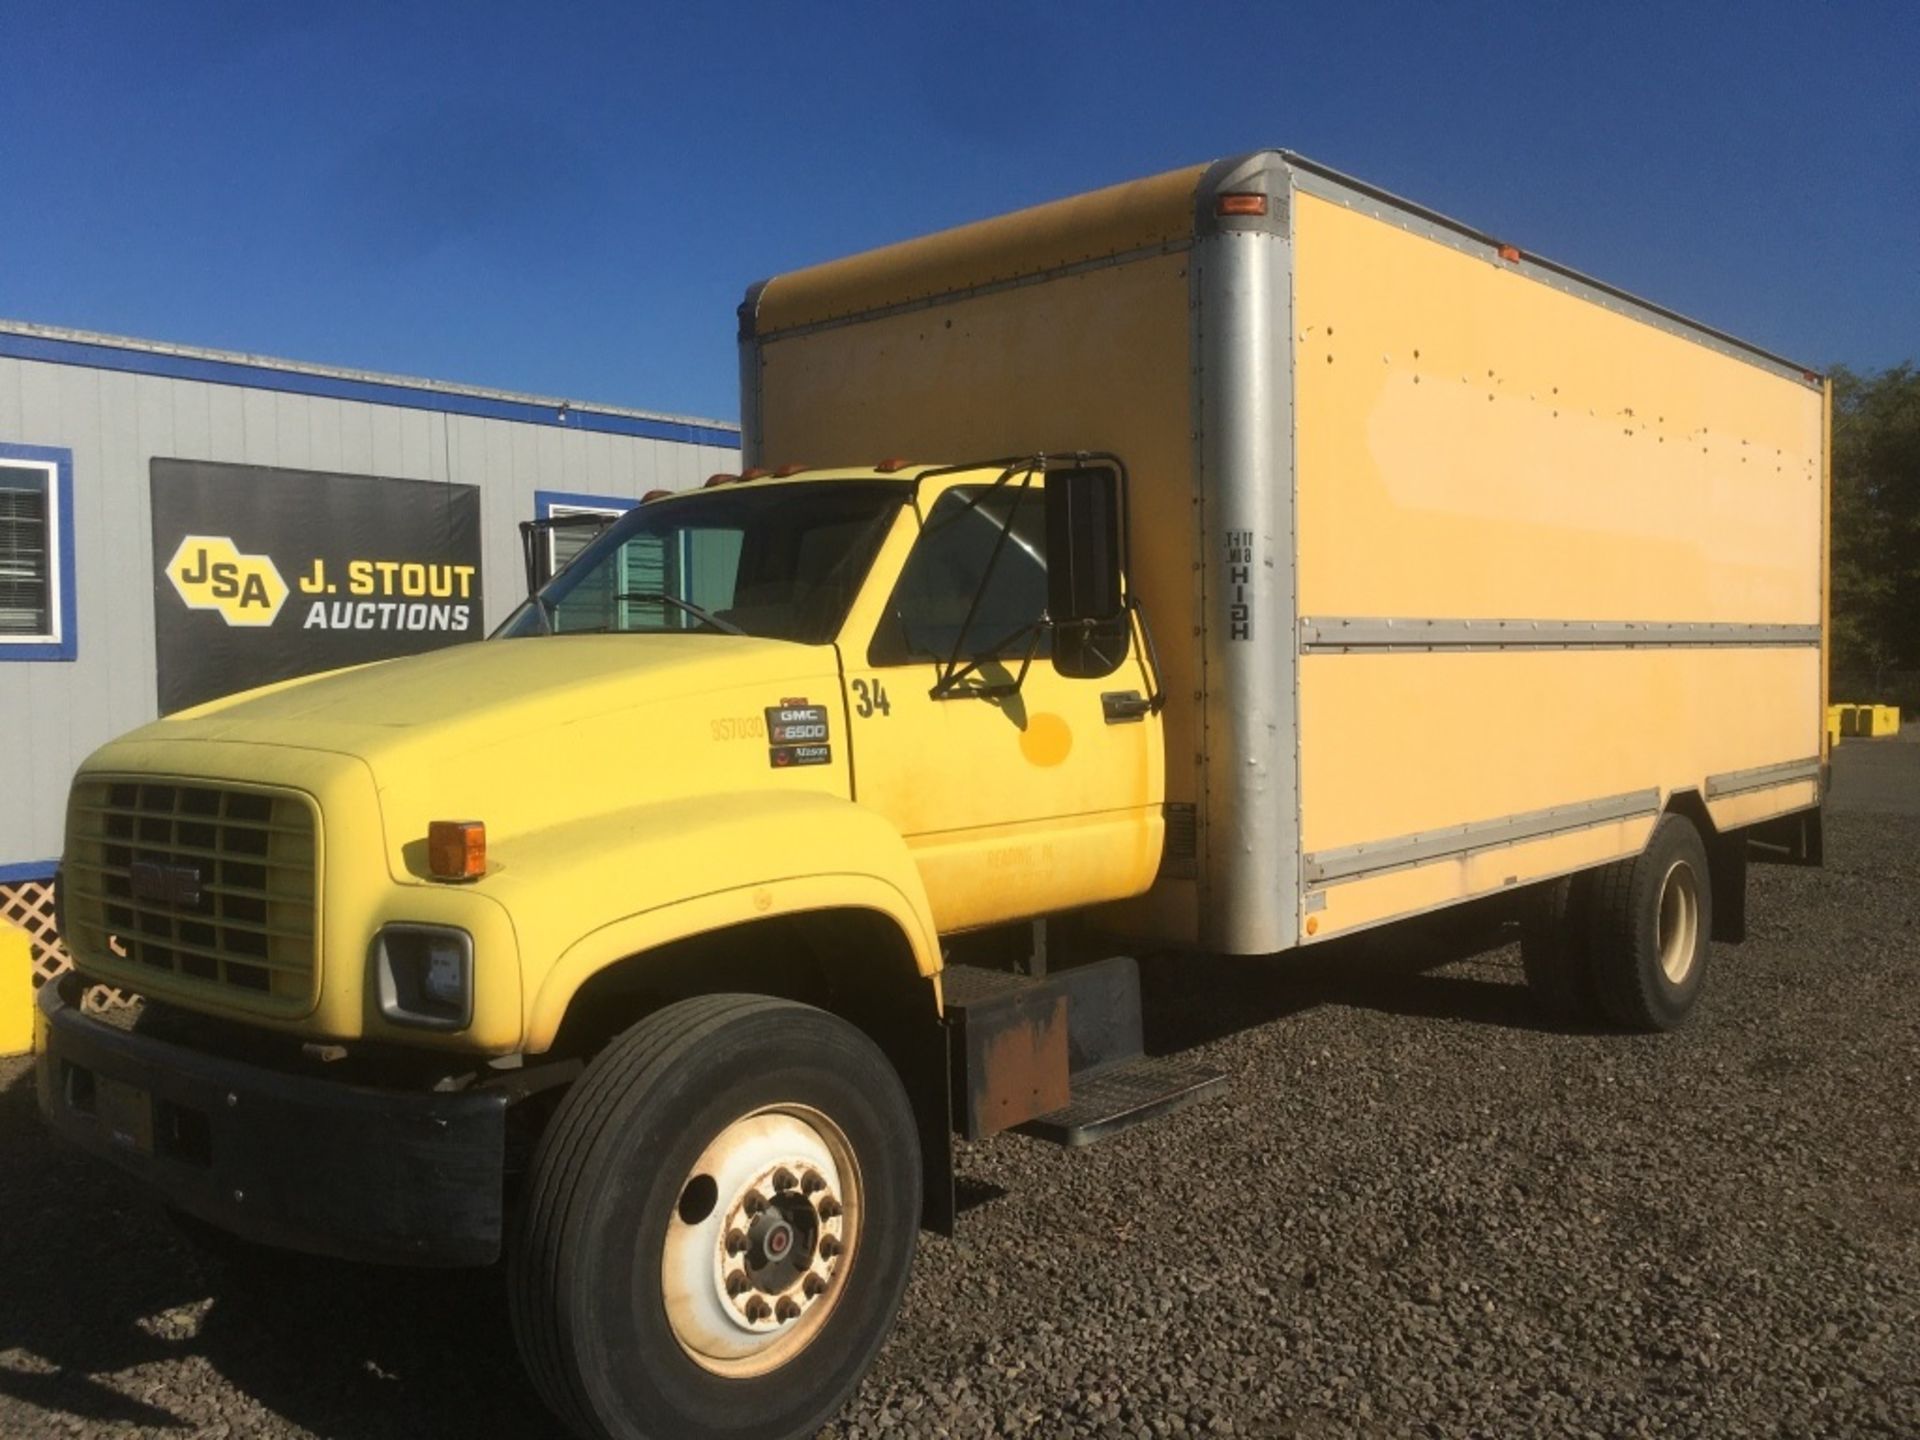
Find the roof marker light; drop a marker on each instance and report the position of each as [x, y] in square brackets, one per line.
[655, 495]
[721, 479]
[888, 466]
[756, 473]
[1240, 203]
[785, 470]
[1510, 253]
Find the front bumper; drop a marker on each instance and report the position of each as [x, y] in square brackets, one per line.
[299, 1162]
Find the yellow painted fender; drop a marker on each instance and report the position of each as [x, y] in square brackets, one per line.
[590, 893]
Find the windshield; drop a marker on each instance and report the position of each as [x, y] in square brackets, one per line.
[782, 562]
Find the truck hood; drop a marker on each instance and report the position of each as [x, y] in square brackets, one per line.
[525, 735]
[475, 696]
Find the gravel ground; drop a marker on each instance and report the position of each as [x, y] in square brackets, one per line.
[1416, 1212]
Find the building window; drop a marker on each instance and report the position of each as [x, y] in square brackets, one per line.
[566, 541]
[36, 553]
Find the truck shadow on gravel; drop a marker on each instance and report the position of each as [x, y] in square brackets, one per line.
[1190, 1000]
[103, 1303]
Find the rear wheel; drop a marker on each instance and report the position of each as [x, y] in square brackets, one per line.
[1556, 951]
[1652, 916]
[719, 1226]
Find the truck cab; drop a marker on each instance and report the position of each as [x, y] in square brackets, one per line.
[760, 744]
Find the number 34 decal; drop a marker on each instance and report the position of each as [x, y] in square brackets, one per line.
[871, 696]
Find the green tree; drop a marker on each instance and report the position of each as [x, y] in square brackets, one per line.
[1876, 523]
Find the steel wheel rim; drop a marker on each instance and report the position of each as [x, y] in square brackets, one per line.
[1679, 921]
[761, 1240]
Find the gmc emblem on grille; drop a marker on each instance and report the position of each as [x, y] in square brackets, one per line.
[177, 886]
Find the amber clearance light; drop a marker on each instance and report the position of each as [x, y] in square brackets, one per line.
[1240, 202]
[457, 849]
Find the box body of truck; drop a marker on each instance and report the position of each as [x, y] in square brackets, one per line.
[1462, 567]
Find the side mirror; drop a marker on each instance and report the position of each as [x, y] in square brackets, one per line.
[1091, 636]
[1083, 545]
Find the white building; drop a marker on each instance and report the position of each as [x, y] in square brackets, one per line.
[177, 523]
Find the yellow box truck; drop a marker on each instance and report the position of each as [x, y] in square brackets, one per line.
[1241, 559]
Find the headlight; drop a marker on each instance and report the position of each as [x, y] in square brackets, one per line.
[425, 976]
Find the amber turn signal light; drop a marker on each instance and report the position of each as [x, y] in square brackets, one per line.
[456, 849]
[1240, 203]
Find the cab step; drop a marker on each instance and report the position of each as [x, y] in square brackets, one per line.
[1118, 1097]
[1059, 1057]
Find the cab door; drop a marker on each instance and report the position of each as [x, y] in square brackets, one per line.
[1020, 790]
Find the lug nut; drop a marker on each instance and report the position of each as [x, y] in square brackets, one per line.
[738, 1284]
[811, 1183]
[754, 1203]
[783, 1181]
[813, 1285]
[787, 1309]
[829, 1247]
[829, 1208]
[736, 1241]
[757, 1310]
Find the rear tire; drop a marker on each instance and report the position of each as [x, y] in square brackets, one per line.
[1652, 916]
[719, 1225]
[1556, 952]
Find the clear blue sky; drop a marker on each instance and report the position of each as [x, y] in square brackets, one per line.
[571, 199]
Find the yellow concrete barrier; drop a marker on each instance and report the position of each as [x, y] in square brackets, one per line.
[16, 992]
[1863, 722]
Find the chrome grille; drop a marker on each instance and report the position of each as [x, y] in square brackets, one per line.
[181, 888]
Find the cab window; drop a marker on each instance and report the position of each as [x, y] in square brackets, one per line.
[960, 554]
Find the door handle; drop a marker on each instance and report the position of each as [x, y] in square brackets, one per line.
[1124, 707]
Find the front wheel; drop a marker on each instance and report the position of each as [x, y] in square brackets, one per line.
[719, 1227]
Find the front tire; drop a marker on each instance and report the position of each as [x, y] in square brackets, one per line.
[1652, 916]
[719, 1225]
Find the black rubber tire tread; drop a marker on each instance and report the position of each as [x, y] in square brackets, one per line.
[1633, 989]
[1556, 952]
[556, 1179]
[570, 1177]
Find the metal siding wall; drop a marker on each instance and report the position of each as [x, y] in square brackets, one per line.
[16, 762]
[54, 713]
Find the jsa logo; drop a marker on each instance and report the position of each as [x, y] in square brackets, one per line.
[211, 574]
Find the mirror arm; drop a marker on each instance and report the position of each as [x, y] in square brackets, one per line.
[947, 685]
[1149, 657]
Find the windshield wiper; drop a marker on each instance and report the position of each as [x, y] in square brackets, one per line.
[659, 597]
